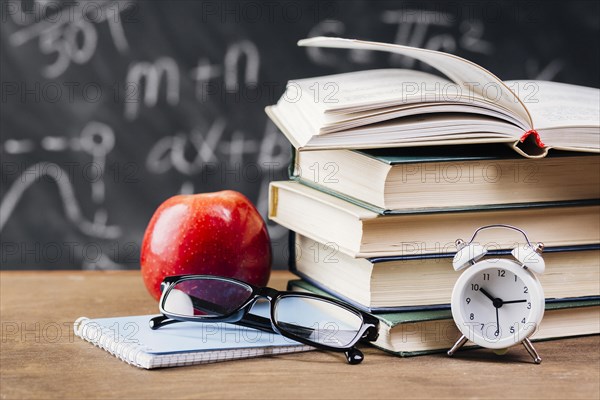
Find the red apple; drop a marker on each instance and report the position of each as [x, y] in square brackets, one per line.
[218, 233]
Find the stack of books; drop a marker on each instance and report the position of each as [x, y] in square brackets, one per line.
[392, 166]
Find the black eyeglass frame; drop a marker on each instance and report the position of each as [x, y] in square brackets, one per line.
[242, 316]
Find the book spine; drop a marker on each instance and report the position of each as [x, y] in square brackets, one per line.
[342, 196]
[292, 172]
[536, 136]
[530, 145]
[292, 251]
[109, 340]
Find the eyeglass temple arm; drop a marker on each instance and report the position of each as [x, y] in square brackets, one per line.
[256, 322]
[249, 321]
[160, 321]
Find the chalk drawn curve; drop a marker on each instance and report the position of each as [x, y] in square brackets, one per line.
[67, 194]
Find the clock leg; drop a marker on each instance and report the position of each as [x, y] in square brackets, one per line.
[459, 343]
[532, 352]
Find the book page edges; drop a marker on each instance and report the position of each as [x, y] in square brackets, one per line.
[271, 112]
[517, 146]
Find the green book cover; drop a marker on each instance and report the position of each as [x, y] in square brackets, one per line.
[396, 318]
[394, 156]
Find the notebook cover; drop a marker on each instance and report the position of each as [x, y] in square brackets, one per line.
[187, 343]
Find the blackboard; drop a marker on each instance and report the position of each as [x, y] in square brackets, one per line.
[109, 108]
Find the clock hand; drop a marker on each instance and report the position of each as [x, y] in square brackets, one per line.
[514, 301]
[489, 296]
[497, 322]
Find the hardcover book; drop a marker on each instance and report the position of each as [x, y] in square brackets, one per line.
[419, 332]
[413, 178]
[417, 281]
[362, 231]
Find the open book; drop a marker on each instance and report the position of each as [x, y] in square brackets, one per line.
[399, 107]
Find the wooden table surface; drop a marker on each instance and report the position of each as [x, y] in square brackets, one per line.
[41, 358]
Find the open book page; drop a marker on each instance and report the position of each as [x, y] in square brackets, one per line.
[329, 103]
[363, 90]
[469, 76]
[559, 105]
[308, 103]
[337, 123]
[445, 128]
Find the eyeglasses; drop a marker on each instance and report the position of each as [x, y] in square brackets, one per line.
[307, 318]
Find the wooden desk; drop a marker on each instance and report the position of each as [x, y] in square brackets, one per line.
[47, 361]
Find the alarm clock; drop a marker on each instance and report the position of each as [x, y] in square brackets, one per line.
[497, 302]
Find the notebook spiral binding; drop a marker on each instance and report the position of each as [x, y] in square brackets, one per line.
[108, 340]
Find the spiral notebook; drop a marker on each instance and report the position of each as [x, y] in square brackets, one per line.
[187, 343]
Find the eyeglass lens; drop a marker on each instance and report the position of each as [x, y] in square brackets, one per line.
[205, 297]
[317, 320]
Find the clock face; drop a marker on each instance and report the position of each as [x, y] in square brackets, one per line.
[497, 303]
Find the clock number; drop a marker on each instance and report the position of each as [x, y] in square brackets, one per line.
[512, 329]
[472, 316]
[474, 286]
[515, 278]
[529, 305]
[482, 325]
[468, 299]
[523, 321]
[486, 277]
[501, 273]
[525, 289]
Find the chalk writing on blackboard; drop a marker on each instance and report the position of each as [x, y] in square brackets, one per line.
[144, 78]
[97, 140]
[70, 35]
